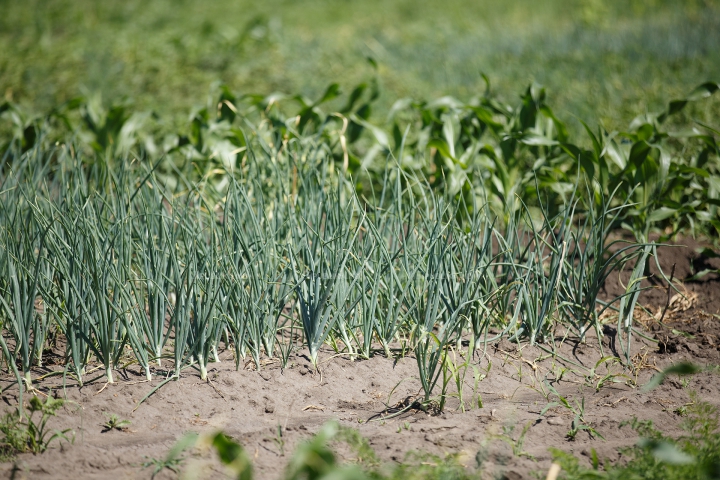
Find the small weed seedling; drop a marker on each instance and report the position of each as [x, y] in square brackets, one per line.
[515, 445]
[597, 381]
[579, 423]
[404, 426]
[279, 441]
[172, 464]
[115, 423]
[174, 457]
[22, 433]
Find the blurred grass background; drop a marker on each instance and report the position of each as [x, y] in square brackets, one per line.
[601, 60]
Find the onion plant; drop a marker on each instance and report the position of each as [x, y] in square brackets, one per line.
[184, 284]
[394, 233]
[155, 238]
[539, 289]
[25, 266]
[592, 256]
[465, 275]
[197, 324]
[321, 246]
[70, 253]
[367, 295]
[257, 286]
[628, 301]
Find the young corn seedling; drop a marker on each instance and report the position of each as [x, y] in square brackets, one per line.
[454, 370]
[430, 354]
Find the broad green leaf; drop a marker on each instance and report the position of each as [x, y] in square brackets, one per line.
[332, 91]
[442, 147]
[682, 368]
[537, 140]
[666, 452]
[661, 214]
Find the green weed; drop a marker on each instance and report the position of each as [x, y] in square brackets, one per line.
[693, 455]
[115, 423]
[23, 431]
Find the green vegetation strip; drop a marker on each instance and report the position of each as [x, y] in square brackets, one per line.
[271, 225]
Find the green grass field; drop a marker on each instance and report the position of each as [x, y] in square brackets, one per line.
[600, 61]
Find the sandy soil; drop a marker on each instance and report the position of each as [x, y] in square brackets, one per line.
[249, 405]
